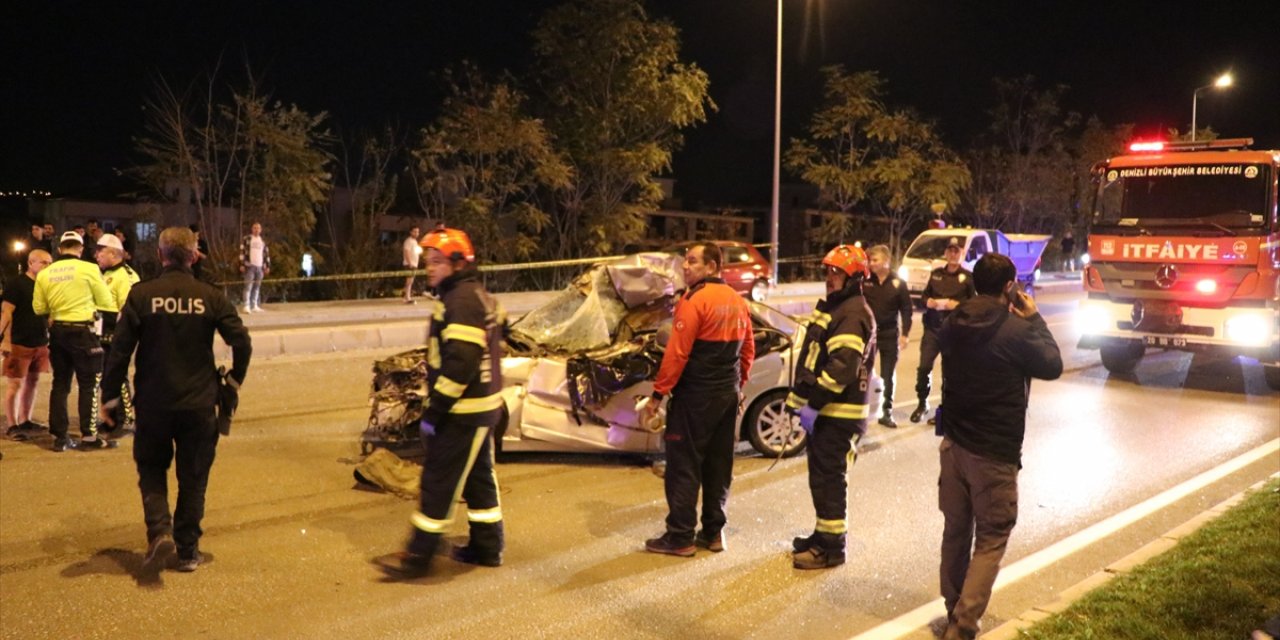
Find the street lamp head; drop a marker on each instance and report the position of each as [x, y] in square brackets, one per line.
[1223, 81]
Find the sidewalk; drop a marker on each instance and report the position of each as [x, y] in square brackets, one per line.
[296, 328]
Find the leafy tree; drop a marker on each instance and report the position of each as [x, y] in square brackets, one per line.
[864, 156]
[615, 96]
[1024, 171]
[370, 172]
[238, 156]
[485, 166]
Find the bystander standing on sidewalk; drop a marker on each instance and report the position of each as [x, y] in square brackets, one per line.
[412, 259]
[1068, 251]
[255, 264]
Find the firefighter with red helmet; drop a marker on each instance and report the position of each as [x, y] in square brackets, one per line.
[461, 410]
[830, 398]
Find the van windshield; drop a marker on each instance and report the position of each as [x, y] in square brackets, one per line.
[931, 247]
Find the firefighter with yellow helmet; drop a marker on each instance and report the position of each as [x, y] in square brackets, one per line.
[830, 397]
[463, 406]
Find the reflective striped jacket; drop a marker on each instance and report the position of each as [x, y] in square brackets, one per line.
[464, 372]
[831, 373]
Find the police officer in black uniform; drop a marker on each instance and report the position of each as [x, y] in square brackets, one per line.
[171, 321]
[463, 406]
[890, 301]
[948, 286]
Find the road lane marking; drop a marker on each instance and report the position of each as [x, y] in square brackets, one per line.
[919, 617]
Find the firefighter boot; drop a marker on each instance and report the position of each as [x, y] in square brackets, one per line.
[826, 551]
[485, 546]
[413, 563]
[800, 545]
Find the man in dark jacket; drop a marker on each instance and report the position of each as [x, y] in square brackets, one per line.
[890, 301]
[830, 398]
[171, 320]
[706, 363]
[992, 345]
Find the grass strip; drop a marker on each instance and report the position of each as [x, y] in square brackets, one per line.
[1222, 581]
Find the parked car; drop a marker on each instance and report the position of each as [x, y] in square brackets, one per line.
[745, 268]
[576, 366]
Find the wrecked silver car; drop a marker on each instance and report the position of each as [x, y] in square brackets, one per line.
[575, 367]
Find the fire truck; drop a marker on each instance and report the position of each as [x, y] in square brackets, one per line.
[1184, 254]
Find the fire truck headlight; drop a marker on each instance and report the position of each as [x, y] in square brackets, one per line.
[1093, 319]
[1084, 259]
[904, 273]
[1207, 286]
[1248, 329]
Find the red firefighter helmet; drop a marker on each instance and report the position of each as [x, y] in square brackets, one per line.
[453, 243]
[849, 259]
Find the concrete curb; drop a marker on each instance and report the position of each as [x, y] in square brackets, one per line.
[1010, 629]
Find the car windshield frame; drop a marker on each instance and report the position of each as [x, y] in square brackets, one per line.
[1230, 195]
[771, 317]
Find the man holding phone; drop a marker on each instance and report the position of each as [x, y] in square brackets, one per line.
[992, 346]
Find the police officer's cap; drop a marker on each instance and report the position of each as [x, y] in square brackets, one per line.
[71, 236]
[111, 241]
[955, 242]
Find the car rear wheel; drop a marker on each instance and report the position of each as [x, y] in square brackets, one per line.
[760, 290]
[769, 429]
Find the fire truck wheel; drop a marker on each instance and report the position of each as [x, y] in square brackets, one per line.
[1122, 356]
[1272, 373]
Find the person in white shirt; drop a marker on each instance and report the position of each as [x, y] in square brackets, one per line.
[412, 260]
[255, 263]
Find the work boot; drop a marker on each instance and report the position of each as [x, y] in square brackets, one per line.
[800, 545]
[668, 544]
[921, 408]
[714, 544]
[817, 557]
[403, 565]
[471, 554]
[887, 422]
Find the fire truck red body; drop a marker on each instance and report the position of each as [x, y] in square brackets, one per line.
[1184, 253]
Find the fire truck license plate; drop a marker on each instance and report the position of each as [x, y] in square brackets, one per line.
[1165, 341]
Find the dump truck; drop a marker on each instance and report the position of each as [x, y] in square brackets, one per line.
[926, 254]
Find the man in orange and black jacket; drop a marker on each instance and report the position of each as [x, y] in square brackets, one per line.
[706, 362]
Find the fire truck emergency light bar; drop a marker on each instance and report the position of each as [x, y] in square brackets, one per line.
[1199, 145]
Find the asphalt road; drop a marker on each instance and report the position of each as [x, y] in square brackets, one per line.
[288, 537]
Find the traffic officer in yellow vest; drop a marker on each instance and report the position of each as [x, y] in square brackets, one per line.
[120, 278]
[463, 406]
[71, 292]
[830, 398]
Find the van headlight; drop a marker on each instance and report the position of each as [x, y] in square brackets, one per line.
[904, 273]
[1093, 319]
[1248, 329]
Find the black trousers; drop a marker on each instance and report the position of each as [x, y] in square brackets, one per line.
[190, 438]
[929, 349]
[831, 454]
[887, 350]
[700, 436]
[74, 350]
[123, 414]
[458, 464]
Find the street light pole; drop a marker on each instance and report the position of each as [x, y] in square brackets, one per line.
[1222, 82]
[777, 154]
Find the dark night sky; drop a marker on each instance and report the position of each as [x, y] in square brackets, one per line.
[76, 72]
